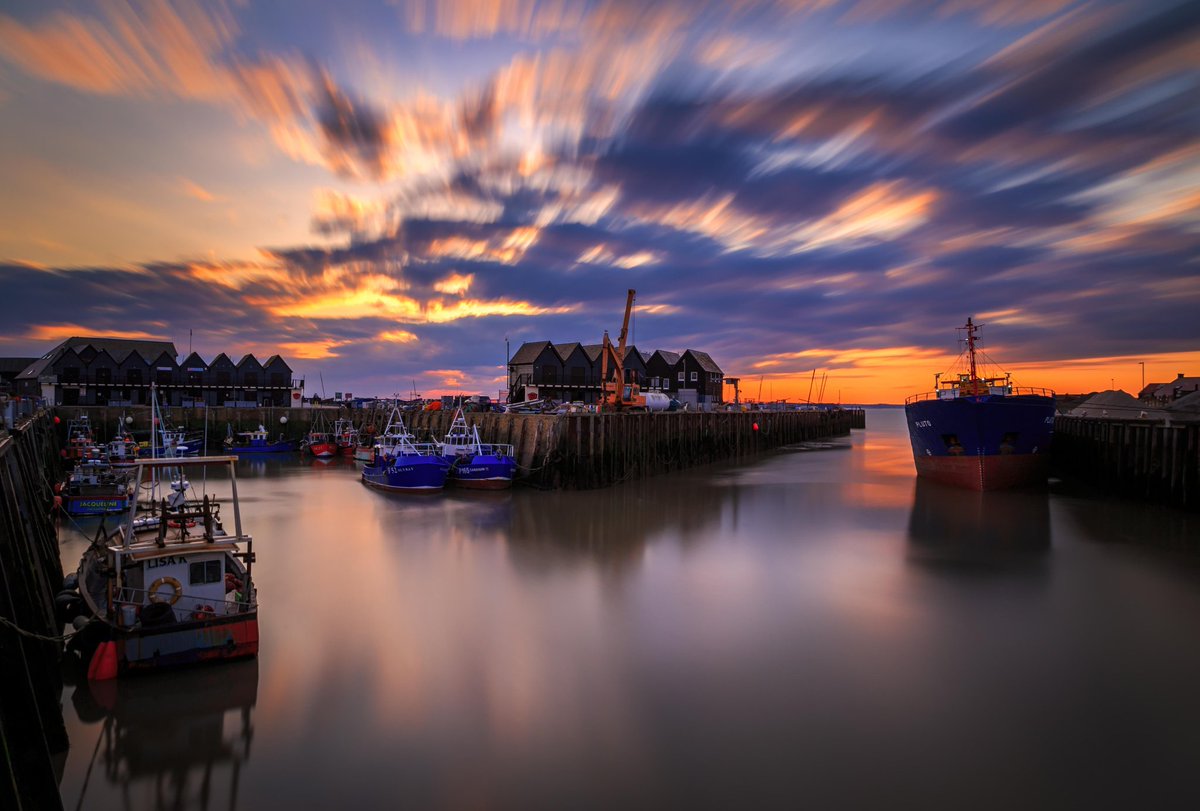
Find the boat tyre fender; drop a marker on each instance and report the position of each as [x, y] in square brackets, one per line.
[165, 581]
[176, 524]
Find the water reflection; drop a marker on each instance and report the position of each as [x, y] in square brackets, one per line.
[170, 741]
[967, 531]
[613, 526]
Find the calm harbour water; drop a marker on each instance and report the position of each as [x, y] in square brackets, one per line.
[811, 629]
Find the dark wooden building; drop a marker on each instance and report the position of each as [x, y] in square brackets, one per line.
[571, 372]
[119, 372]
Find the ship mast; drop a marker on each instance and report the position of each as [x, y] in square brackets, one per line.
[971, 330]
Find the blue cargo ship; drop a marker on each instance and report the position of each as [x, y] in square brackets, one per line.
[981, 433]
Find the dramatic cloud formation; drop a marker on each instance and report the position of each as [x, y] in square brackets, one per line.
[789, 184]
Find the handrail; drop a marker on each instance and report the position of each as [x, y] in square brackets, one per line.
[1013, 392]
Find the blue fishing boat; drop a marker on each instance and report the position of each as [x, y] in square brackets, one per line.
[979, 431]
[475, 464]
[258, 442]
[404, 466]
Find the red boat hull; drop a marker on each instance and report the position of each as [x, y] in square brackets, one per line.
[188, 643]
[323, 450]
[995, 472]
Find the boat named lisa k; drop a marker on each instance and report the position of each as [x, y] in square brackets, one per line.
[404, 466]
[172, 584]
[476, 464]
[981, 432]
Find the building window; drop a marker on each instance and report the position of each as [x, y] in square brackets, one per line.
[104, 375]
[133, 377]
[681, 377]
[695, 376]
[162, 375]
[70, 375]
[208, 571]
[250, 379]
[223, 378]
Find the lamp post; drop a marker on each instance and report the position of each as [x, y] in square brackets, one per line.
[507, 372]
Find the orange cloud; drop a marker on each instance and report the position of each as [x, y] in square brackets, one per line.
[396, 336]
[456, 284]
[313, 350]
[60, 332]
[196, 190]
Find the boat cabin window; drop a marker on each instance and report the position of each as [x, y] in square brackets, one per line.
[207, 571]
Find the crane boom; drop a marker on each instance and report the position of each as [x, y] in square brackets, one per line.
[618, 394]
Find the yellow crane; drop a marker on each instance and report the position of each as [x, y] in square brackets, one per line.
[618, 394]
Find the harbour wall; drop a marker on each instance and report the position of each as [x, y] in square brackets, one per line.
[31, 725]
[579, 451]
[552, 450]
[1152, 461]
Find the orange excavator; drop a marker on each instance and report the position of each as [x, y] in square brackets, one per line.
[618, 394]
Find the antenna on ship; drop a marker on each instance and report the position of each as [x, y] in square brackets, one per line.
[971, 329]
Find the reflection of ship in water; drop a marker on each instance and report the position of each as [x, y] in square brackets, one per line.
[977, 531]
[177, 742]
[612, 525]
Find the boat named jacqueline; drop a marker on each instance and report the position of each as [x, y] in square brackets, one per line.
[981, 433]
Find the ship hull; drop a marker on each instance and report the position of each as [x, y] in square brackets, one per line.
[408, 474]
[483, 473]
[991, 442]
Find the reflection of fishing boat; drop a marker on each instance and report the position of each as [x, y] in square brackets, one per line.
[474, 463]
[175, 739]
[402, 465]
[172, 585]
[95, 487]
[981, 433]
[257, 441]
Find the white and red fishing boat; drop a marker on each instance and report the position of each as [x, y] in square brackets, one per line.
[345, 435]
[172, 585]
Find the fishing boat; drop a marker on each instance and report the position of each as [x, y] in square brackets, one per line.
[475, 464]
[345, 436]
[80, 439]
[96, 487]
[257, 441]
[172, 585]
[404, 466]
[319, 442]
[978, 431]
[167, 441]
[123, 450]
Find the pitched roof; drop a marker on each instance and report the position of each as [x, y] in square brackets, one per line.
[218, 358]
[528, 352]
[706, 362]
[13, 365]
[564, 350]
[249, 356]
[118, 348]
[276, 359]
[670, 357]
[188, 361]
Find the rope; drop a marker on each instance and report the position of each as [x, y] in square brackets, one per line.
[42, 637]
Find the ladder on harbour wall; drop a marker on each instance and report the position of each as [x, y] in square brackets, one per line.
[1134, 458]
[31, 725]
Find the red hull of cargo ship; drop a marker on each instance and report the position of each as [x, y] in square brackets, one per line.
[998, 472]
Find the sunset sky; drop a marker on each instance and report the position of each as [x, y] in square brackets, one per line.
[383, 192]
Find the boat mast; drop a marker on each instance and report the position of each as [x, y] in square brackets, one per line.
[971, 330]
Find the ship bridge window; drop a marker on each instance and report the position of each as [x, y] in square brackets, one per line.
[206, 571]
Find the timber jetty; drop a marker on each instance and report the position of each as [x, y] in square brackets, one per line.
[31, 725]
[1153, 461]
[578, 451]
